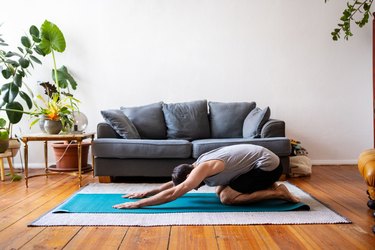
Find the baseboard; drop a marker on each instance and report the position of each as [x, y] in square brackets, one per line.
[314, 162]
[334, 162]
[31, 165]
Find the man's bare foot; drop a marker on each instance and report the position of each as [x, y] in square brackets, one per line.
[285, 194]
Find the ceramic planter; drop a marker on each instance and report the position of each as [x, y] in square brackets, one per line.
[66, 156]
[4, 144]
[52, 127]
[14, 146]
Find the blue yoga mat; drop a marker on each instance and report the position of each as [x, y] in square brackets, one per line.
[189, 203]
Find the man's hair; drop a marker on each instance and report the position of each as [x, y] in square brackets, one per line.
[180, 173]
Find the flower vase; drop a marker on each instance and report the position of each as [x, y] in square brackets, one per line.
[42, 120]
[52, 127]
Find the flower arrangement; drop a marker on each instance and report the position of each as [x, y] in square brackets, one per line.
[57, 106]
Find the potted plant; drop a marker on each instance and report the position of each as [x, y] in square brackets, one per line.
[4, 136]
[16, 96]
[59, 105]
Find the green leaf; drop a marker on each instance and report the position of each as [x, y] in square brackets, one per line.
[52, 38]
[39, 51]
[20, 49]
[35, 59]
[26, 41]
[24, 63]
[12, 62]
[29, 51]
[27, 99]
[36, 39]
[6, 73]
[16, 177]
[21, 73]
[18, 80]
[10, 54]
[3, 122]
[65, 78]
[14, 116]
[34, 31]
[9, 92]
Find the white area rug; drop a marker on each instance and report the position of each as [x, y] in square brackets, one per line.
[319, 214]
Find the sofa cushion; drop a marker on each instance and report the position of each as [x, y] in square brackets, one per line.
[120, 123]
[187, 120]
[139, 149]
[226, 119]
[148, 119]
[279, 145]
[254, 121]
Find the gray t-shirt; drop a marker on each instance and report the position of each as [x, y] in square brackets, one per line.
[238, 159]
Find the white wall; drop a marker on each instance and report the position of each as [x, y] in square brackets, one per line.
[278, 53]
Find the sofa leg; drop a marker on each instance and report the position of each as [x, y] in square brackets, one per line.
[105, 179]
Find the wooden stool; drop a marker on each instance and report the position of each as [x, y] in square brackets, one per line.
[7, 154]
[366, 166]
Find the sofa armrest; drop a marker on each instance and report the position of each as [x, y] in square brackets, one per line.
[273, 128]
[104, 130]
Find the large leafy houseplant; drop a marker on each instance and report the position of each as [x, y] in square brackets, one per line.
[16, 95]
[59, 103]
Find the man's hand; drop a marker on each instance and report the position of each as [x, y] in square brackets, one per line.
[127, 205]
[135, 195]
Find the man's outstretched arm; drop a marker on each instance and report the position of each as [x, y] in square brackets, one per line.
[160, 198]
[194, 179]
[157, 190]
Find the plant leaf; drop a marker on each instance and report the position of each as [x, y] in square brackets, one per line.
[52, 38]
[18, 80]
[6, 73]
[14, 116]
[35, 59]
[24, 63]
[27, 99]
[26, 41]
[34, 31]
[9, 92]
[65, 78]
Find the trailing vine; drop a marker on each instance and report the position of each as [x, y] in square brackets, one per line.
[356, 11]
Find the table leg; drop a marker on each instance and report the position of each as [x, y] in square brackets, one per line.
[2, 170]
[26, 156]
[92, 157]
[79, 148]
[11, 169]
[46, 158]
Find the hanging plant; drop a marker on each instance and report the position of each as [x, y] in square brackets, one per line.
[357, 12]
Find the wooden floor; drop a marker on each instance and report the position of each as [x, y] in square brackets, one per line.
[340, 187]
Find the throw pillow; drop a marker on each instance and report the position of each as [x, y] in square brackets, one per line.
[148, 119]
[187, 120]
[120, 123]
[254, 122]
[227, 119]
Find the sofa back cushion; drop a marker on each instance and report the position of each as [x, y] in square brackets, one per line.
[254, 121]
[226, 119]
[187, 120]
[120, 123]
[148, 119]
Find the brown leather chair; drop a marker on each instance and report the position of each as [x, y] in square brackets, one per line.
[366, 166]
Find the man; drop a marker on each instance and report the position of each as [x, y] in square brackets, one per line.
[242, 174]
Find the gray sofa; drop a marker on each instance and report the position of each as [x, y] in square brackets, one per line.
[150, 140]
